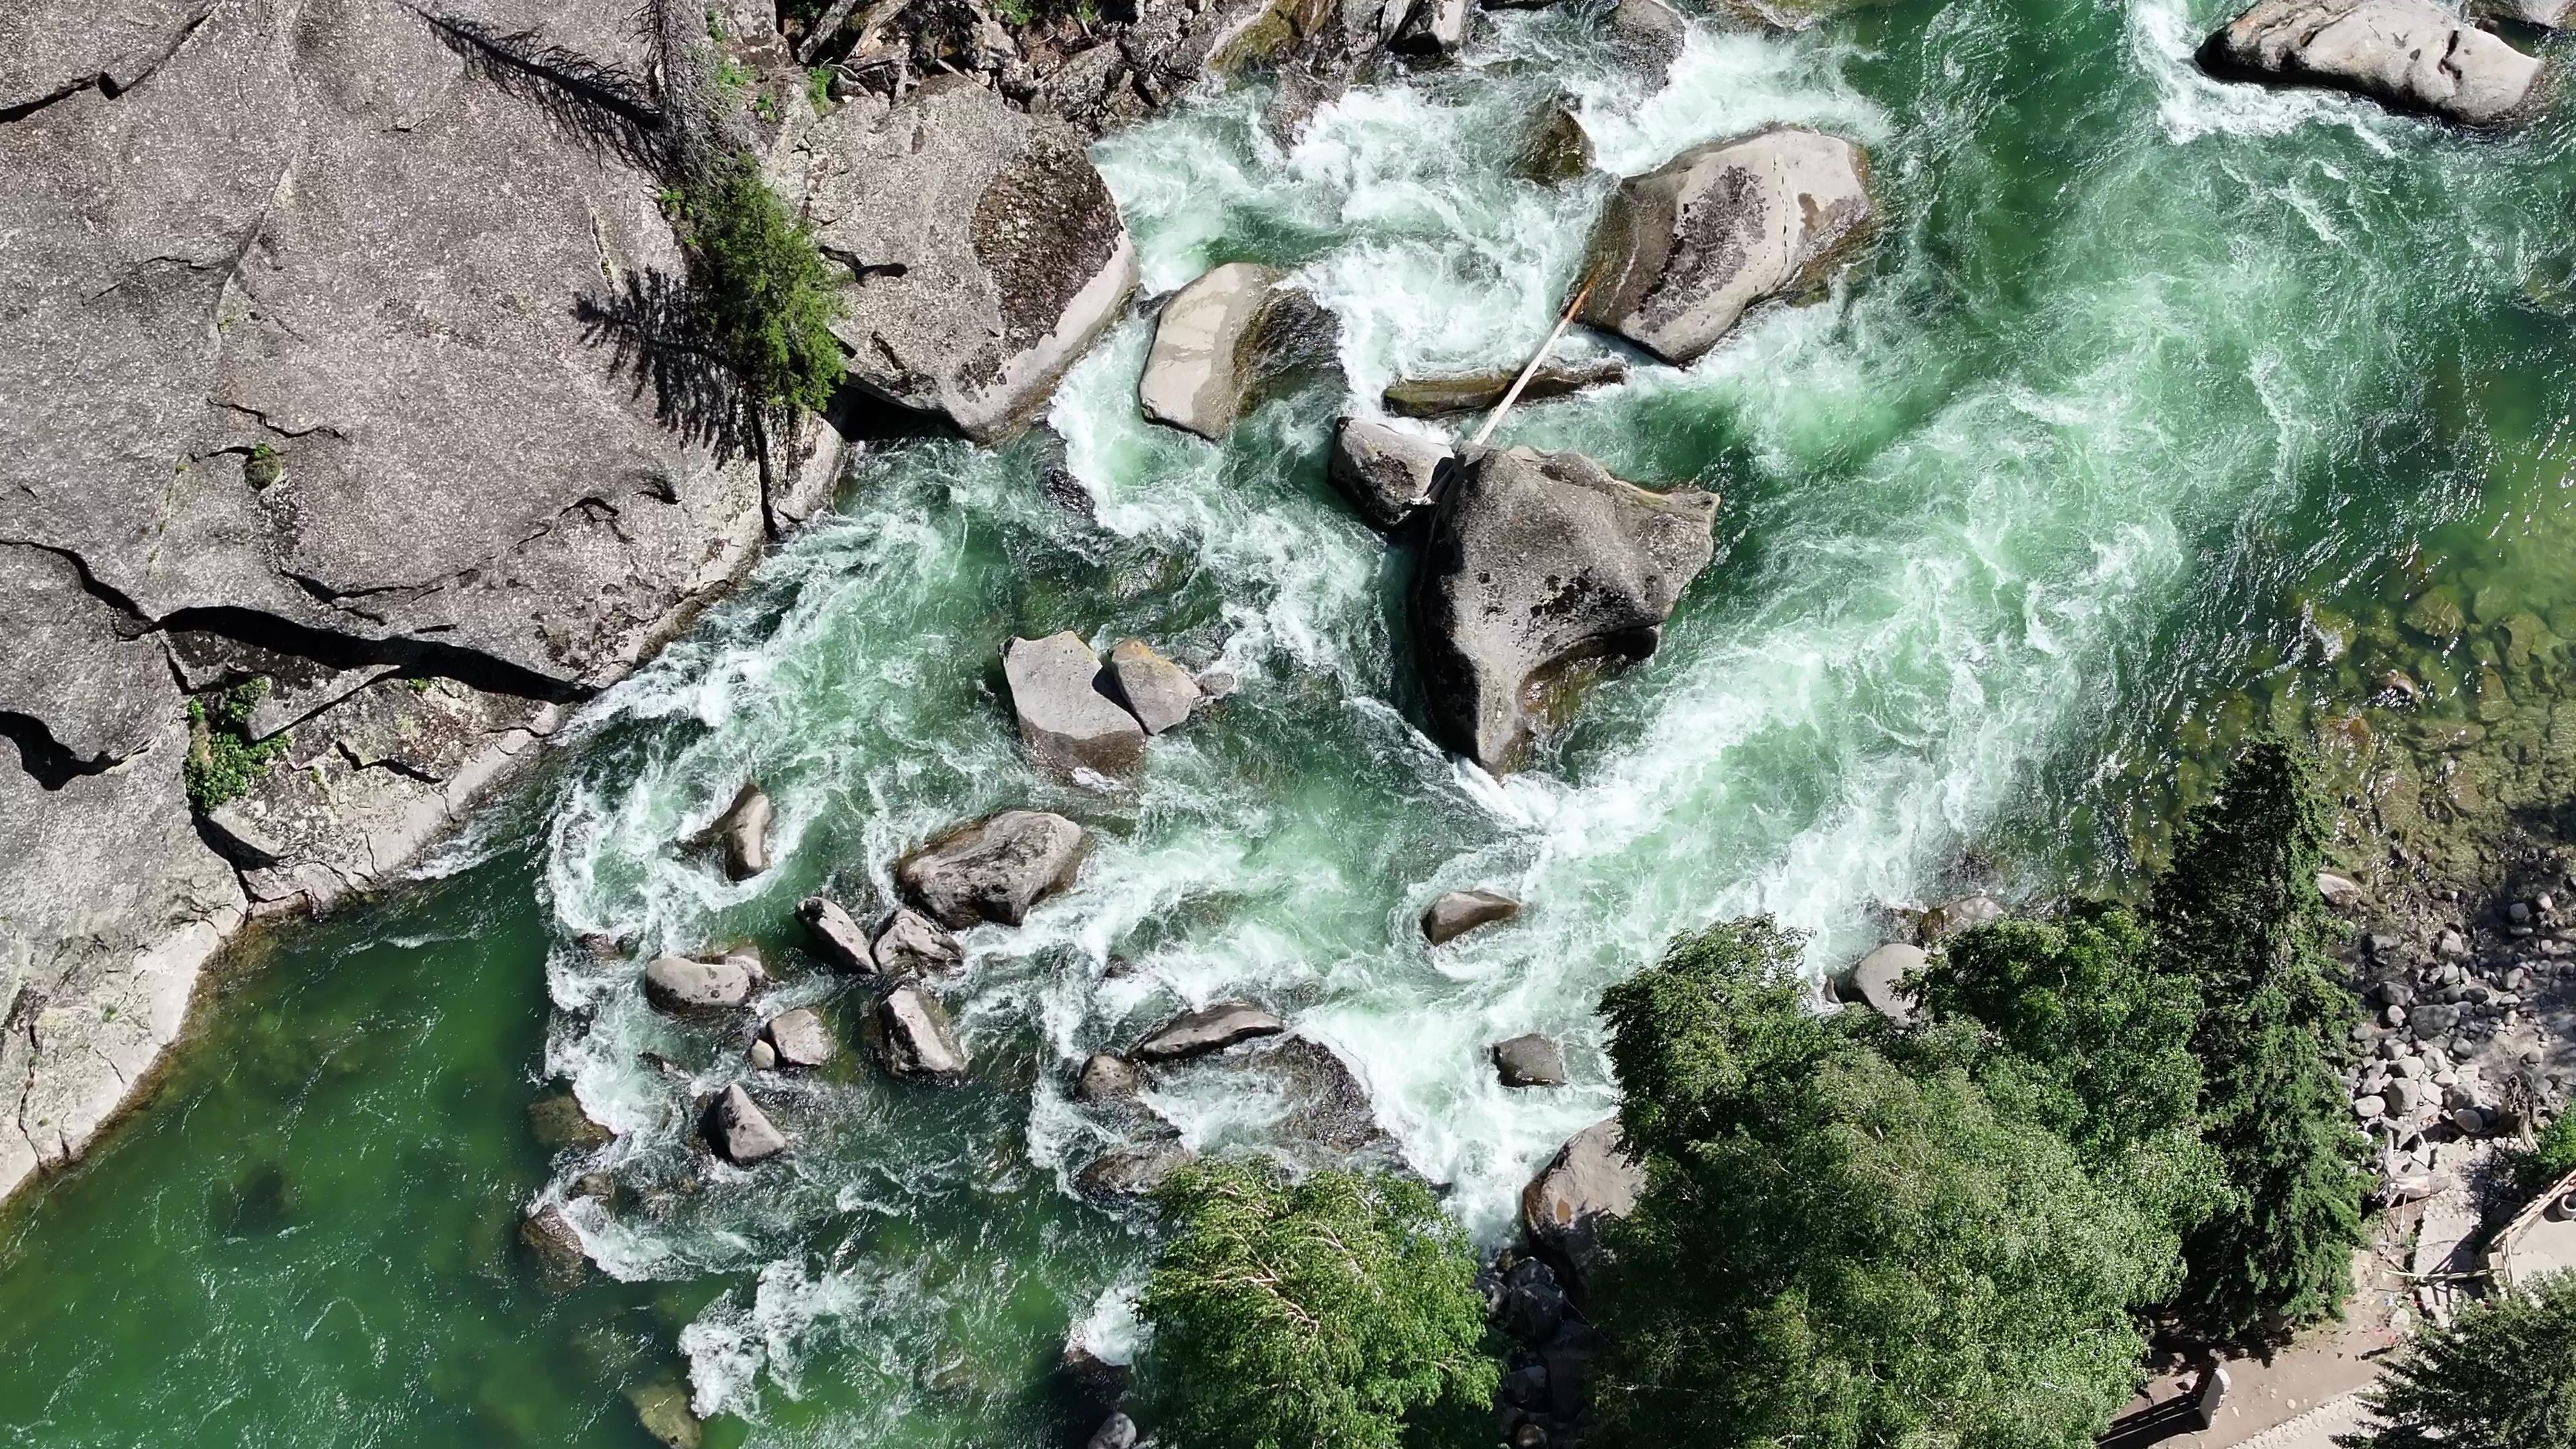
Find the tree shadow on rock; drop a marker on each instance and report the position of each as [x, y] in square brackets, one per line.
[608, 110]
[658, 337]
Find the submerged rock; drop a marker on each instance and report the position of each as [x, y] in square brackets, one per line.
[677, 983]
[1131, 1171]
[909, 943]
[1537, 562]
[1878, 981]
[1476, 392]
[558, 1122]
[1963, 913]
[1458, 912]
[984, 252]
[1223, 342]
[1116, 1432]
[1529, 1061]
[739, 1131]
[1589, 1183]
[800, 1038]
[1557, 147]
[914, 1037]
[1159, 693]
[994, 869]
[837, 938]
[2410, 55]
[1208, 1029]
[1682, 251]
[662, 1407]
[1386, 472]
[556, 1245]
[742, 834]
[1067, 717]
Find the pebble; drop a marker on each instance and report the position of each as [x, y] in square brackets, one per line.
[2396, 1016]
[2368, 1108]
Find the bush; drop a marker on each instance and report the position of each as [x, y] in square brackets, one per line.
[2501, 1376]
[223, 761]
[1843, 1240]
[2238, 914]
[765, 290]
[1340, 1309]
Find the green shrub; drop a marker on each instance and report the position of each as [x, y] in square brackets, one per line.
[1341, 1309]
[223, 761]
[2501, 1376]
[2238, 914]
[765, 290]
[1844, 1241]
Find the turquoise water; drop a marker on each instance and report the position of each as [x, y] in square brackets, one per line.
[2149, 390]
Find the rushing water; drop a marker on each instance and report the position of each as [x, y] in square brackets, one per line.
[2156, 406]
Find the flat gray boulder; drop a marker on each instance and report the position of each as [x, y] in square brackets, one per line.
[1106, 1077]
[914, 1037]
[1529, 1061]
[739, 1131]
[1159, 693]
[741, 834]
[1587, 1185]
[1067, 716]
[909, 943]
[993, 869]
[1458, 912]
[2409, 55]
[1386, 472]
[679, 984]
[800, 1038]
[1537, 563]
[1476, 392]
[1880, 979]
[1209, 1029]
[1223, 342]
[835, 937]
[1682, 251]
[983, 252]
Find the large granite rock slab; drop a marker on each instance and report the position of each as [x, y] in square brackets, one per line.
[1537, 563]
[1068, 716]
[1881, 981]
[1208, 1029]
[1223, 342]
[2410, 55]
[913, 1035]
[680, 984]
[1590, 1183]
[984, 252]
[1682, 251]
[1477, 392]
[994, 869]
[835, 937]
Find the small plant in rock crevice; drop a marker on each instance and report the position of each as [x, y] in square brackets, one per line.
[223, 760]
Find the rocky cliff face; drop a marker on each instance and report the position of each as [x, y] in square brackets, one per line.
[331, 359]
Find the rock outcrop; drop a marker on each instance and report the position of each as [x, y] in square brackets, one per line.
[1476, 392]
[914, 1037]
[984, 252]
[993, 869]
[1224, 342]
[2547, 14]
[1648, 34]
[1535, 563]
[1589, 1183]
[1458, 912]
[1682, 251]
[909, 943]
[2409, 55]
[1131, 1171]
[288, 405]
[555, 1244]
[1557, 147]
[1387, 473]
[1068, 716]
[739, 1131]
[1208, 1029]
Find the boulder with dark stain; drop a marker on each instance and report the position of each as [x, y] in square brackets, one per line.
[739, 1131]
[2408, 55]
[994, 869]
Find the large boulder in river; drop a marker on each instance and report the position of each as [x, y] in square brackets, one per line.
[1681, 251]
[1159, 693]
[741, 834]
[677, 983]
[909, 943]
[1067, 715]
[1588, 1184]
[2547, 14]
[913, 1035]
[994, 869]
[1648, 34]
[1386, 472]
[984, 252]
[1208, 1029]
[2411, 55]
[799, 1038]
[1223, 342]
[739, 1131]
[1456, 913]
[1537, 562]
[836, 938]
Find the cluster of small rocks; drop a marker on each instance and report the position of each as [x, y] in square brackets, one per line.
[2462, 1016]
[1544, 1401]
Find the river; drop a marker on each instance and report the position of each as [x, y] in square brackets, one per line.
[2159, 408]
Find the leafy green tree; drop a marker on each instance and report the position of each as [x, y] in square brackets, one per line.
[2501, 1376]
[765, 290]
[1844, 1241]
[1337, 1309]
[2238, 914]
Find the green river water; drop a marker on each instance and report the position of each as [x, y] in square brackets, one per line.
[2159, 408]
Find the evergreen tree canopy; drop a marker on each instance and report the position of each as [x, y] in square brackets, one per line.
[765, 290]
[1339, 1309]
[2502, 1376]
